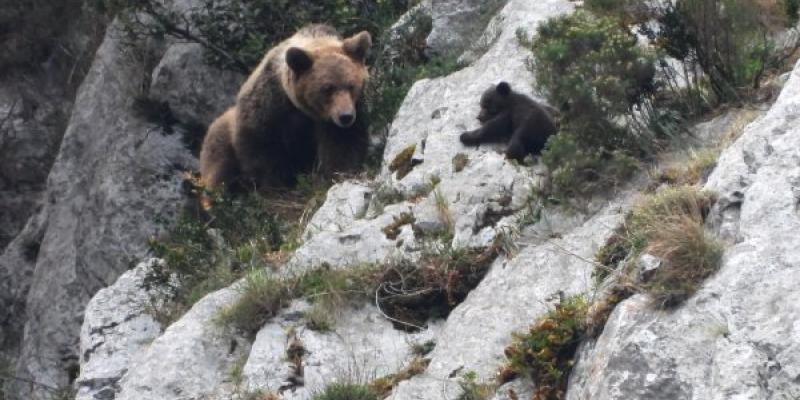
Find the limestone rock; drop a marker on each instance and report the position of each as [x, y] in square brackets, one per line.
[195, 92]
[362, 346]
[738, 337]
[114, 174]
[117, 328]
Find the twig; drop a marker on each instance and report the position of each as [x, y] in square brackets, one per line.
[378, 306]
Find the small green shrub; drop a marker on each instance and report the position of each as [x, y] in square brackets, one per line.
[201, 257]
[471, 389]
[263, 296]
[792, 10]
[546, 352]
[592, 67]
[346, 391]
[384, 385]
[730, 40]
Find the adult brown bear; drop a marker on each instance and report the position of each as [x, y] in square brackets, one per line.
[297, 112]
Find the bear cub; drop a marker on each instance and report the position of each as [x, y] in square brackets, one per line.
[299, 111]
[513, 117]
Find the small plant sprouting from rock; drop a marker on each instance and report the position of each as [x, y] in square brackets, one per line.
[546, 352]
[402, 162]
[393, 230]
[471, 389]
[443, 211]
[346, 391]
[383, 386]
[695, 170]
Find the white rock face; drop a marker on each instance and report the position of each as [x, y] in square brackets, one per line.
[362, 346]
[456, 23]
[114, 174]
[738, 337]
[510, 298]
[193, 359]
[116, 329]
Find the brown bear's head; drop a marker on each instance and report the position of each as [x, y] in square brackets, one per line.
[328, 80]
[494, 101]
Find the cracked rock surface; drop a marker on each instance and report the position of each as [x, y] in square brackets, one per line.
[738, 337]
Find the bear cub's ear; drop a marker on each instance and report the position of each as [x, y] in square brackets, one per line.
[358, 45]
[504, 88]
[298, 60]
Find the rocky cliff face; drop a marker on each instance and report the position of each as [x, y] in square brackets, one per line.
[115, 173]
[738, 337]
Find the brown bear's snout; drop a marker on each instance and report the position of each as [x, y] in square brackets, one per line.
[343, 112]
[346, 119]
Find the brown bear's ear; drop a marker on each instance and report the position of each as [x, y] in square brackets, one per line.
[358, 45]
[504, 88]
[298, 60]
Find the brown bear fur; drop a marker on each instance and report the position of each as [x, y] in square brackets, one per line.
[297, 112]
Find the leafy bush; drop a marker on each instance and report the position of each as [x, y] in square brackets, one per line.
[729, 40]
[546, 352]
[592, 67]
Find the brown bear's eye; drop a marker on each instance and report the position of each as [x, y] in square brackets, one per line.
[328, 89]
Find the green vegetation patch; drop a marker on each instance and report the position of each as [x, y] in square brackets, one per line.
[202, 255]
[346, 391]
[669, 225]
[546, 352]
[592, 67]
[408, 293]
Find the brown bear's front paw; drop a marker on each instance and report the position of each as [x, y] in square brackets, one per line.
[468, 138]
[516, 153]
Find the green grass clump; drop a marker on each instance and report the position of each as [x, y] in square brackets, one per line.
[669, 225]
[346, 391]
[263, 296]
[692, 171]
[409, 293]
[546, 352]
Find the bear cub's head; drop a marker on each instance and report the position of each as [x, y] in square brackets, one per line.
[328, 80]
[494, 100]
